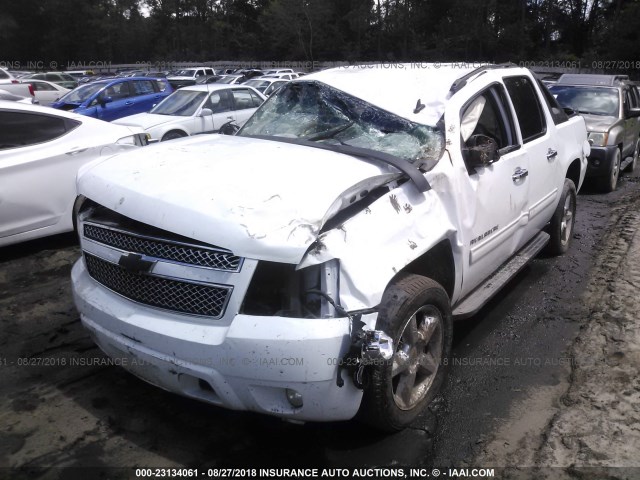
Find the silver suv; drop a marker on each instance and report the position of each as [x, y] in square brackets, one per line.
[610, 105]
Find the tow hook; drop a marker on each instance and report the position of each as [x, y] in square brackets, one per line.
[368, 347]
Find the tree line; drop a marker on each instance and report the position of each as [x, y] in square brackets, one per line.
[129, 31]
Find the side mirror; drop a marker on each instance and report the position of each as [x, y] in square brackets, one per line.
[481, 151]
[229, 128]
[103, 100]
[205, 112]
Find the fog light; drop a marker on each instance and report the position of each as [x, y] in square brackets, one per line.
[295, 398]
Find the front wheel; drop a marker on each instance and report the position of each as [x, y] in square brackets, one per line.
[609, 183]
[632, 166]
[172, 135]
[415, 312]
[563, 220]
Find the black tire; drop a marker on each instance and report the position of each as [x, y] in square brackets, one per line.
[563, 220]
[632, 166]
[172, 135]
[608, 184]
[399, 390]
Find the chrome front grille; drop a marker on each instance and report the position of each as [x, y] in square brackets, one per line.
[163, 249]
[176, 295]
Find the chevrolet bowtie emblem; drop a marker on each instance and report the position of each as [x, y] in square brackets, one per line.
[134, 263]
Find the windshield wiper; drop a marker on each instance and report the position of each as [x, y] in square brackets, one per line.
[405, 167]
[332, 132]
[586, 112]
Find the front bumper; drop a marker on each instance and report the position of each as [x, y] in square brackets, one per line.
[245, 365]
[600, 160]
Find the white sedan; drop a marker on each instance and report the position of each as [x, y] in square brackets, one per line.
[46, 92]
[41, 151]
[197, 109]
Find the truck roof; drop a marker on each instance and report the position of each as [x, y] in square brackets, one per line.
[398, 87]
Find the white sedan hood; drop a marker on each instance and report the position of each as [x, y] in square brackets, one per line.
[260, 199]
[146, 120]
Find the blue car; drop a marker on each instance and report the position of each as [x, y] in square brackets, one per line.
[116, 97]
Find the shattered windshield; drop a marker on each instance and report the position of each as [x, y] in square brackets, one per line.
[313, 111]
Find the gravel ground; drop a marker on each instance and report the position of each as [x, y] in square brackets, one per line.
[588, 426]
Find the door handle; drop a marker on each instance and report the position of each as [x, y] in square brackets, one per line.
[519, 174]
[551, 154]
[128, 103]
[76, 151]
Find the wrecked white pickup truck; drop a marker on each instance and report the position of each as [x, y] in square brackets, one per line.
[310, 267]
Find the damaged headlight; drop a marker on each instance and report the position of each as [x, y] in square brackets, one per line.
[321, 284]
[280, 290]
[598, 139]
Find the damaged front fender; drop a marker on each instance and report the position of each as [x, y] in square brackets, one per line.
[379, 240]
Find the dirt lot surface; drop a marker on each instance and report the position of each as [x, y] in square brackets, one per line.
[545, 376]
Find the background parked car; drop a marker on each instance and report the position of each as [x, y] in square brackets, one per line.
[197, 109]
[231, 79]
[188, 76]
[265, 85]
[610, 105]
[115, 98]
[41, 150]
[46, 92]
[282, 76]
[208, 79]
[63, 79]
[4, 95]
[276, 71]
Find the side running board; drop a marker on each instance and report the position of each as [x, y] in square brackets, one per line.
[492, 285]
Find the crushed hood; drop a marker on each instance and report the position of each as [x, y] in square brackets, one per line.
[146, 120]
[258, 198]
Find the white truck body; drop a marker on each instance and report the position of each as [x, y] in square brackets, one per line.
[280, 209]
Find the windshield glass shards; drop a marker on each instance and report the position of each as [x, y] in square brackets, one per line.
[315, 112]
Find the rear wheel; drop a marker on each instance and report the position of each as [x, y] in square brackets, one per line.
[608, 184]
[563, 220]
[416, 313]
[173, 135]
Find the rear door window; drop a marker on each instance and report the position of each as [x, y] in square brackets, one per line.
[143, 87]
[527, 107]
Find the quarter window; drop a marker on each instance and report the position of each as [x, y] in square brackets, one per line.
[257, 101]
[527, 106]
